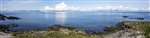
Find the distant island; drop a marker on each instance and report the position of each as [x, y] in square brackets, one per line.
[3, 17]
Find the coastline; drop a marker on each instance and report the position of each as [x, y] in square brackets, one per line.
[126, 29]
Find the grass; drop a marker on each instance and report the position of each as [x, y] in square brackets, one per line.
[142, 26]
[53, 34]
[55, 31]
[147, 32]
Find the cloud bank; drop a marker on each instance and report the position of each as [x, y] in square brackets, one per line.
[84, 5]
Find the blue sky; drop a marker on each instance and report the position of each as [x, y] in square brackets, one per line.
[39, 4]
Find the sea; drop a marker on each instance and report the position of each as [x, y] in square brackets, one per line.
[87, 20]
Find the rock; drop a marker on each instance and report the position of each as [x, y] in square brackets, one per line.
[125, 34]
[3, 17]
[125, 16]
[12, 18]
[5, 35]
[140, 18]
[59, 27]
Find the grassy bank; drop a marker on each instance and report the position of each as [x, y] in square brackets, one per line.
[138, 27]
[141, 26]
[56, 31]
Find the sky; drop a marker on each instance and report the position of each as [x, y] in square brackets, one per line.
[80, 4]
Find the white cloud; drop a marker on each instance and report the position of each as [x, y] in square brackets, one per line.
[47, 8]
[117, 7]
[120, 7]
[36, 4]
[149, 8]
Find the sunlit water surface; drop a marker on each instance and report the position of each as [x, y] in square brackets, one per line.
[94, 21]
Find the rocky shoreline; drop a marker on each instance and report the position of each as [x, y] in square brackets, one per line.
[126, 29]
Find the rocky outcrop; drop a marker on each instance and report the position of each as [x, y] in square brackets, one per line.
[125, 34]
[130, 29]
[126, 29]
[5, 35]
[3, 17]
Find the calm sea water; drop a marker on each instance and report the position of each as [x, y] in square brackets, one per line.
[86, 20]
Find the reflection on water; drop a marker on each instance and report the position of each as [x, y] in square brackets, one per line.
[60, 18]
[85, 20]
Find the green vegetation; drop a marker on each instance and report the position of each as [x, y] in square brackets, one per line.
[58, 31]
[54, 32]
[147, 31]
[140, 26]
[113, 29]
